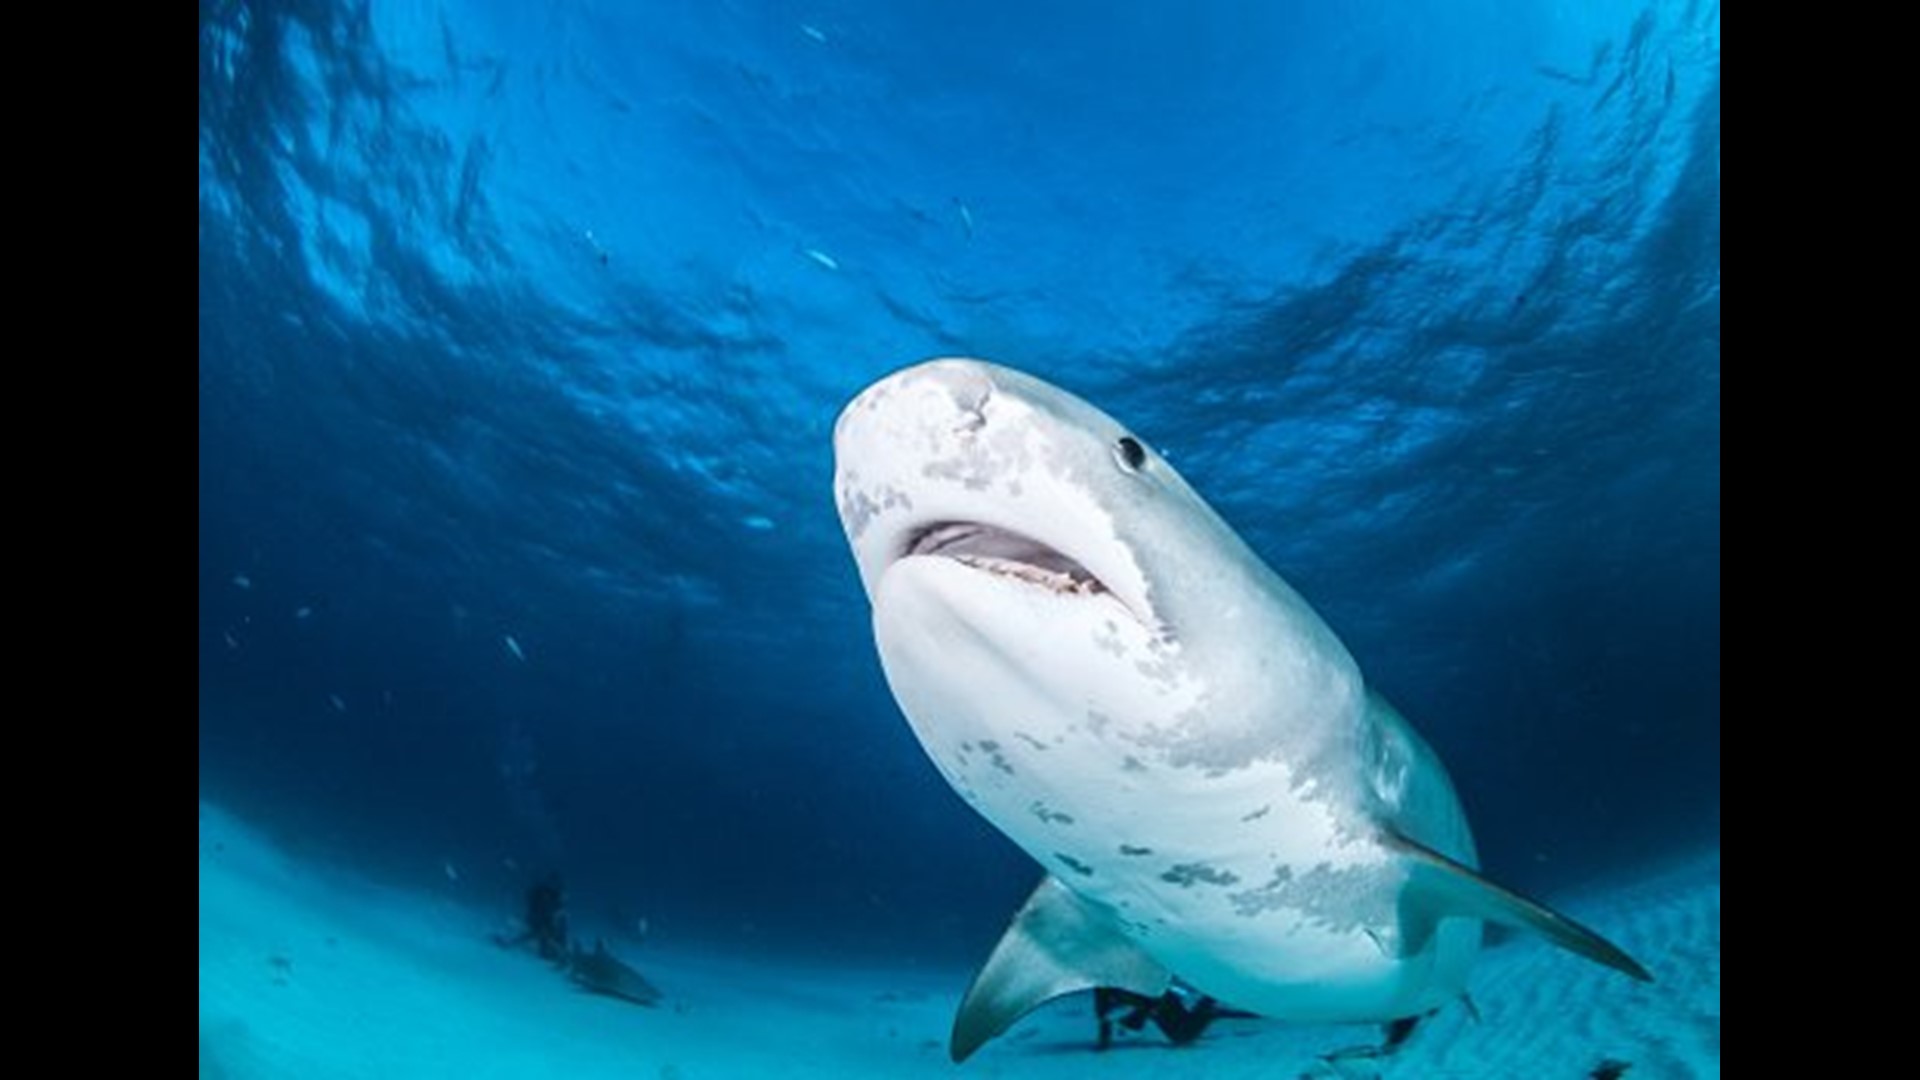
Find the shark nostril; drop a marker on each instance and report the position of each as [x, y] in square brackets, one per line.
[972, 399]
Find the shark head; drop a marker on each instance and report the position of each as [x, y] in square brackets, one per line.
[1097, 663]
[994, 514]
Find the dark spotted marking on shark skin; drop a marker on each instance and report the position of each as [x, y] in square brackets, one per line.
[1129, 849]
[975, 473]
[860, 508]
[1050, 816]
[1132, 764]
[1161, 672]
[1341, 899]
[1268, 897]
[1187, 875]
[1030, 740]
[1074, 864]
[998, 760]
[1257, 814]
[1187, 744]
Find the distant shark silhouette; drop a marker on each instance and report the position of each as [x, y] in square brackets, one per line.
[601, 972]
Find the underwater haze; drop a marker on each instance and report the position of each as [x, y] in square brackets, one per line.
[523, 329]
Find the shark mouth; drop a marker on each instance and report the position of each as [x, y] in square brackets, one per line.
[1006, 554]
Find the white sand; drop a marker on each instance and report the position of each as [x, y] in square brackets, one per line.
[307, 974]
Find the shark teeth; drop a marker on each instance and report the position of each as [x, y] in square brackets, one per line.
[1008, 554]
[1060, 581]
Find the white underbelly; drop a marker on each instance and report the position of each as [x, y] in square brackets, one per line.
[1267, 891]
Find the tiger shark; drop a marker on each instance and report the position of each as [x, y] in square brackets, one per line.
[1100, 666]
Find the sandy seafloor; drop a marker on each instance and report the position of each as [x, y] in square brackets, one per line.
[308, 972]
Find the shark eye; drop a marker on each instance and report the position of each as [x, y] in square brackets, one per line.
[1129, 453]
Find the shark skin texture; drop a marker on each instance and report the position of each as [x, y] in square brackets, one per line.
[1100, 666]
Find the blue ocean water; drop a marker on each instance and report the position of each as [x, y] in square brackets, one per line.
[523, 328]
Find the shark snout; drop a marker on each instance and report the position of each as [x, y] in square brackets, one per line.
[954, 394]
[948, 395]
[968, 382]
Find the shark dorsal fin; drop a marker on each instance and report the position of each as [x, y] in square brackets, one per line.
[1057, 944]
[1442, 887]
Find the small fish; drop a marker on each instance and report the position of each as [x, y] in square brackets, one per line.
[452, 874]
[813, 33]
[966, 218]
[302, 612]
[758, 522]
[232, 642]
[338, 705]
[242, 581]
[514, 648]
[822, 258]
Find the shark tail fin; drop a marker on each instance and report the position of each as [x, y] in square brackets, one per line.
[1057, 944]
[1442, 886]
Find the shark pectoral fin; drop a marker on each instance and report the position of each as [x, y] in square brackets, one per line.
[1057, 944]
[1442, 886]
